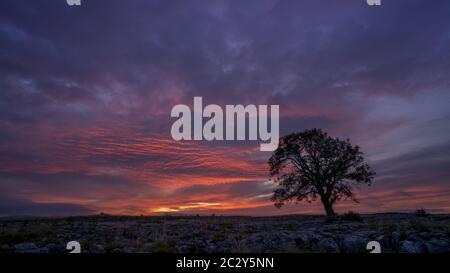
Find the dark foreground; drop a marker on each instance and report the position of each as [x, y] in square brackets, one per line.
[404, 233]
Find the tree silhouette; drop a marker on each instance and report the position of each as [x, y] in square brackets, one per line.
[312, 164]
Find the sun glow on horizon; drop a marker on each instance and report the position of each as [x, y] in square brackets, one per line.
[198, 205]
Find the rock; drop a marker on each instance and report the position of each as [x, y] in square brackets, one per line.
[129, 250]
[284, 234]
[97, 249]
[56, 248]
[317, 243]
[147, 247]
[41, 250]
[52, 248]
[211, 248]
[302, 241]
[328, 245]
[380, 237]
[408, 247]
[439, 235]
[413, 236]
[117, 250]
[353, 244]
[26, 248]
[438, 246]
[396, 238]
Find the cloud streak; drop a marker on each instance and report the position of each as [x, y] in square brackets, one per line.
[86, 93]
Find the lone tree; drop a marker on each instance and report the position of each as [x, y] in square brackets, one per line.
[312, 164]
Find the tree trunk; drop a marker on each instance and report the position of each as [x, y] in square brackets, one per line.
[328, 207]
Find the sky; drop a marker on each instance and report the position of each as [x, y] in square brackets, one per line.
[86, 94]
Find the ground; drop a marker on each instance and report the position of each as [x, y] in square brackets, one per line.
[223, 234]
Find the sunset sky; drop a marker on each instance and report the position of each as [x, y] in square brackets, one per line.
[86, 94]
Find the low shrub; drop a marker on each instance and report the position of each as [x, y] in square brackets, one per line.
[351, 216]
[421, 212]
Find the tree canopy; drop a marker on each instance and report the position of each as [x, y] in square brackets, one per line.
[311, 165]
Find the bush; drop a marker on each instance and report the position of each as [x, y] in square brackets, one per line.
[219, 237]
[15, 236]
[351, 216]
[330, 219]
[421, 213]
[109, 247]
[130, 232]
